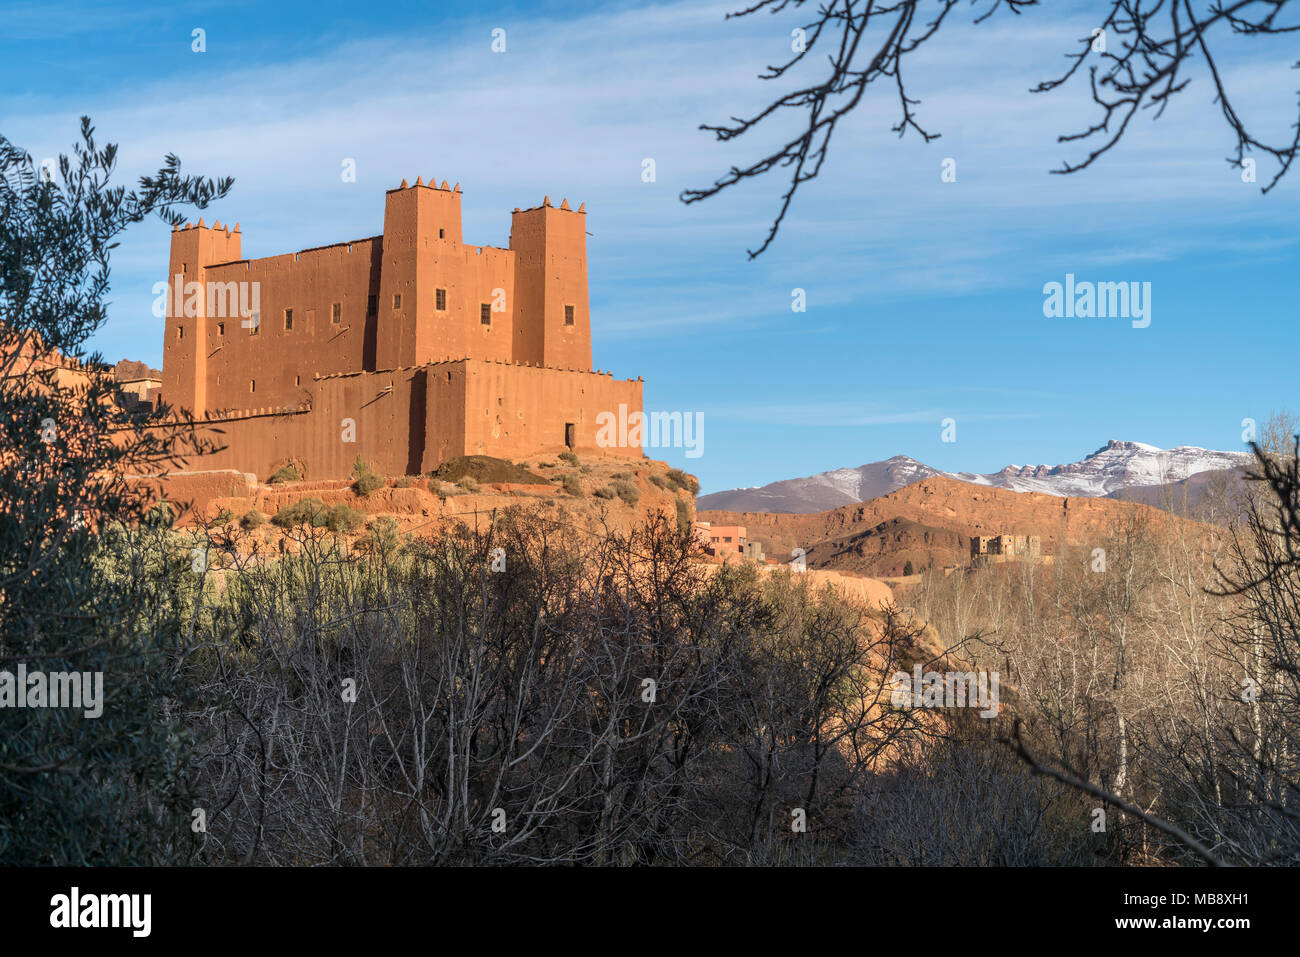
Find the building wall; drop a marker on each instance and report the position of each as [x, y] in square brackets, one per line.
[387, 291]
[513, 410]
[274, 365]
[409, 421]
[726, 539]
[360, 406]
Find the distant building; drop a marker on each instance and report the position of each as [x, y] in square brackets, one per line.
[1004, 548]
[726, 540]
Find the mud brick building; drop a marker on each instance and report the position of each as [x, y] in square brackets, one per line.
[408, 348]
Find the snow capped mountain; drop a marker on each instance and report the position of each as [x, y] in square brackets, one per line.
[817, 493]
[1111, 469]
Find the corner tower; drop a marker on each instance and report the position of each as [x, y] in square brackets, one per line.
[421, 248]
[186, 333]
[551, 307]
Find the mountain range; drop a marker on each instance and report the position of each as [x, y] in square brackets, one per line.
[1130, 470]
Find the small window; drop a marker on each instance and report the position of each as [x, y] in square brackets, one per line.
[440, 299]
[397, 300]
[297, 380]
[288, 320]
[336, 313]
[485, 313]
[568, 315]
[180, 332]
[252, 385]
[442, 234]
[372, 305]
[221, 328]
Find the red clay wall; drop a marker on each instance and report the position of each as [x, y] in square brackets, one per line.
[514, 410]
[276, 366]
[351, 415]
[409, 421]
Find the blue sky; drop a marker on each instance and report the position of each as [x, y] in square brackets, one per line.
[924, 298]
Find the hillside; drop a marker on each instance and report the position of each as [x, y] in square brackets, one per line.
[1112, 470]
[929, 523]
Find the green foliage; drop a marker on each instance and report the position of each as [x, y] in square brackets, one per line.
[79, 593]
[907, 567]
[252, 519]
[485, 468]
[344, 518]
[285, 473]
[606, 491]
[308, 511]
[688, 482]
[684, 522]
[381, 537]
[627, 492]
[569, 457]
[365, 479]
[161, 515]
[572, 484]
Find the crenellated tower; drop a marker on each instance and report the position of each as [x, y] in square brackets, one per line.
[188, 334]
[552, 310]
[422, 250]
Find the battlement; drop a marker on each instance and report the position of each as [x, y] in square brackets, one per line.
[216, 227]
[419, 182]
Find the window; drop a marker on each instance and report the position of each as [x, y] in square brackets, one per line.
[485, 313]
[336, 313]
[397, 300]
[442, 234]
[297, 380]
[288, 320]
[180, 332]
[252, 385]
[372, 305]
[568, 315]
[221, 328]
[440, 299]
